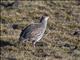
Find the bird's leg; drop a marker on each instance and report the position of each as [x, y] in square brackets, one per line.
[34, 42]
[24, 42]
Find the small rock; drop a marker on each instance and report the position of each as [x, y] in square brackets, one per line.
[15, 26]
[66, 45]
[76, 33]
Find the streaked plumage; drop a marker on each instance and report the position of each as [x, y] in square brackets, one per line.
[35, 31]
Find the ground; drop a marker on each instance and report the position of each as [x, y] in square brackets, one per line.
[61, 40]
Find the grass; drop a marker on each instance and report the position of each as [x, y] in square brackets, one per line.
[58, 42]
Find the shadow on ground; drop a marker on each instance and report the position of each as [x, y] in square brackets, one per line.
[42, 44]
[11, 58]
[5, 43]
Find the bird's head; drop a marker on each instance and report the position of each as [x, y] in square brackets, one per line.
[44, 17]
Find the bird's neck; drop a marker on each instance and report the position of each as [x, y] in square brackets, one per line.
[44, 23]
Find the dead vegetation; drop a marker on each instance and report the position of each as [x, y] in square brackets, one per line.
[61, 40]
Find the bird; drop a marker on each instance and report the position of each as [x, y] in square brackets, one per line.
[35, 31]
